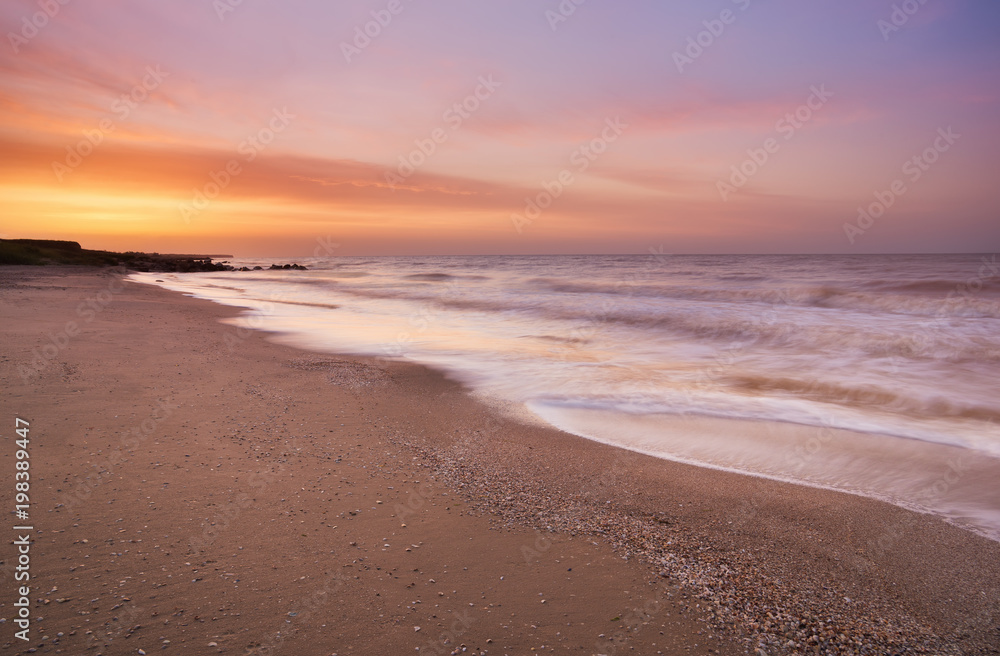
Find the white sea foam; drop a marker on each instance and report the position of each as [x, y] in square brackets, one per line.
[902, 348]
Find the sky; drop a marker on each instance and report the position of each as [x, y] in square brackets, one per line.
[391, 127]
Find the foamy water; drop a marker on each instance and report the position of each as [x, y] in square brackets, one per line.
[881, 369]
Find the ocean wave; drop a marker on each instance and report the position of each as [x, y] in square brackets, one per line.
[881, 340]
[965, 287]
[429, 277]
[327, 306]
[722, 325]
[864, 396]
[957, 304]
[442, 277]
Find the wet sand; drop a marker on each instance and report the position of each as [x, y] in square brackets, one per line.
[202, 485]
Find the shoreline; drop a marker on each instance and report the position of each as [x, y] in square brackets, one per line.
[739, 547]
[946, 467]
[686, 398]
[746, 545]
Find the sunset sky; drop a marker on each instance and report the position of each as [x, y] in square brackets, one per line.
[412, 127]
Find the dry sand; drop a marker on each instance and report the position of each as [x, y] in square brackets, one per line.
[197, 489]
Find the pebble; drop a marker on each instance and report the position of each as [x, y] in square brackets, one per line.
[727, 588]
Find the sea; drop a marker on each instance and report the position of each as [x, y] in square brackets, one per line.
[876, 375]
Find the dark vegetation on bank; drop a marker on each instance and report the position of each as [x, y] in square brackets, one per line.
[40, 252]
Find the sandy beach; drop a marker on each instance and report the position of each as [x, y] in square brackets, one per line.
[199, 489]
